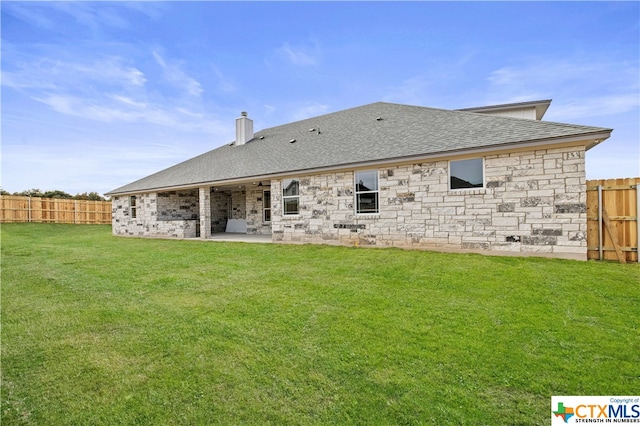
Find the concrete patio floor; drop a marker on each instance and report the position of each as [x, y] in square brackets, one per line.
[240, 238]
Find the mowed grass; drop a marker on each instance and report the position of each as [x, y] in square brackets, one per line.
[100, 330]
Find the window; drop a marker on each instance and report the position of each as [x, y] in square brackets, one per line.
[266, 206]
[466, 174]
[132, 204]
[366, 183]
[290, 196]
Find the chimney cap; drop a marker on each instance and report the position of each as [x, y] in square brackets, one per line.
[243, 114]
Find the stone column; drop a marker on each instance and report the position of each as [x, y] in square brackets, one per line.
[205, 212]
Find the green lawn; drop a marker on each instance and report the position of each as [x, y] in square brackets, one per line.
[99, 330]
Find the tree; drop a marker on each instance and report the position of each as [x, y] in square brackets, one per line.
[57, 194]
[34, 192]
[91, 196]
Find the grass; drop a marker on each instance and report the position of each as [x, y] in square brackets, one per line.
[102, 330]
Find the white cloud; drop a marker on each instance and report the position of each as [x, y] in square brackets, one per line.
[186, 112]
[580, 87]
[107, 70]
[26, 80]
[87, 167]
[269, 110]
[129, 101]
[311, 109]
[91, 15]
[151, 9]
[411, 91]
[107, 88]
[54, 72]
[124, 110]
[595, 106]
[302, 56]
[173, 73]
[28, 13]
[119, 108]
[224, 84]
[94, 15]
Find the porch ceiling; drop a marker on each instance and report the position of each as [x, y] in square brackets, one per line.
[240, 186]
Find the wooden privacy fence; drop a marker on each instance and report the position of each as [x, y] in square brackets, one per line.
[53, 210]
[613, 229]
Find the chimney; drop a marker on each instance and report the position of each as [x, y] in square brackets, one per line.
[244, 129]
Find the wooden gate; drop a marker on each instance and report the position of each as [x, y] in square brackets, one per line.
[613, 228]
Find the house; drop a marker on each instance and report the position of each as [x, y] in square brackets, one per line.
[495, 178]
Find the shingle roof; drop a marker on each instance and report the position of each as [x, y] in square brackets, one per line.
[374, 132]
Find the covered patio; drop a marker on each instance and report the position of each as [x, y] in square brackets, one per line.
[233, 210]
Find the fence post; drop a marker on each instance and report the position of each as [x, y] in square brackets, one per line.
[29, 209]
[600, 233]
[75, 211]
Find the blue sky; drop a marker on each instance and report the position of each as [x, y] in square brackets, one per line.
[98, 94]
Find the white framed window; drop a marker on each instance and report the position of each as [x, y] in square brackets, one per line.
[290, 197]
[366, 184]
[466, 174]
[266, 206]
[132, 205]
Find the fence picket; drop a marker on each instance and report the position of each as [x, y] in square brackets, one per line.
[54, 210]
[618, 204]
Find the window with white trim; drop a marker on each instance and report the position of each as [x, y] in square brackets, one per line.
[266, 206]
[290, 197]
[466, 174]
[366, 184]
[132, 205]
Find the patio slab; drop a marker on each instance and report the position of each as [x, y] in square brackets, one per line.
[240, 238]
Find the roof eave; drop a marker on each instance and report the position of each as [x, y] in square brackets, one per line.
[589, 140]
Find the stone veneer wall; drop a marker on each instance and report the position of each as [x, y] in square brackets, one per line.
[219, 211]
[174, 205]
[533, 201]
[255, 207]
[147, 223]
[176, 213]
[238, 205]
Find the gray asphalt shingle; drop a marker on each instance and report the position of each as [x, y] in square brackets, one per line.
[373, 132]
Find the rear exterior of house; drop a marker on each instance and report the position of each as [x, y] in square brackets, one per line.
[315, 181]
